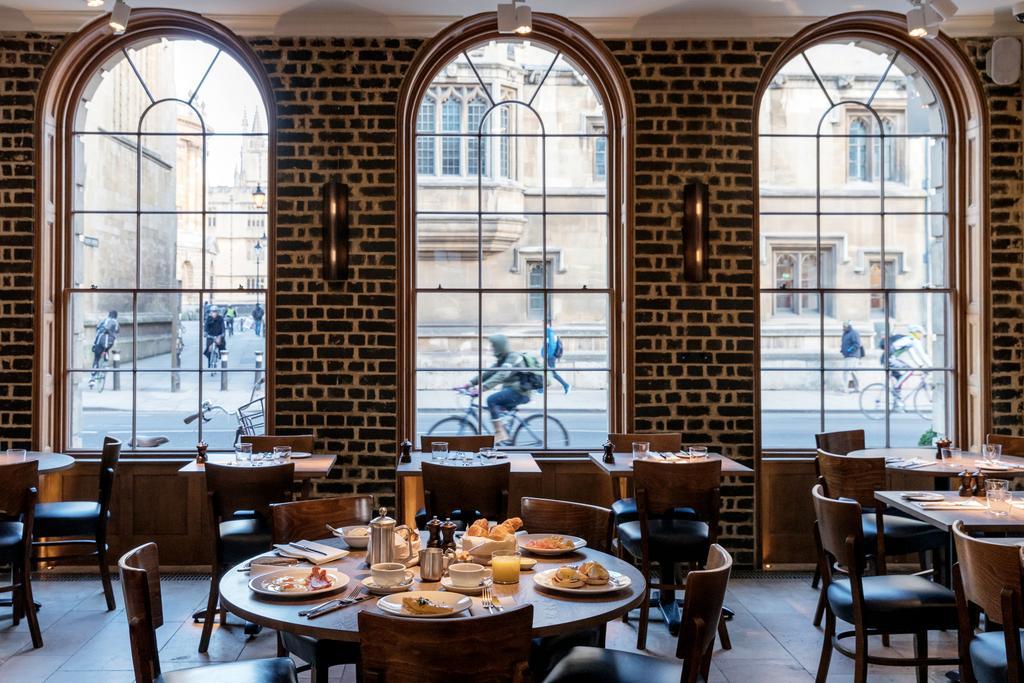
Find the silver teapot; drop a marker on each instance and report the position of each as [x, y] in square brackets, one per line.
[383, 531]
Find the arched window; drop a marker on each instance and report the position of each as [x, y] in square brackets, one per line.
[878, 256]
[168, 147]
[516, 259]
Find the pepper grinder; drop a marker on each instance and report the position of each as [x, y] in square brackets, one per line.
[939, 445]
[406, 452]
[201, 452]
[448, 535]
[434, 529]
[609, 455]
[966, 484]
[979, 483]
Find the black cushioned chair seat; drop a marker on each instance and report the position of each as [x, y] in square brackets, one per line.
[899, 603]
[242, 538]
[277, 670]
[326, 653]
[669, 538]
[588, 664]
[624, 510]
[10, 538]
[68, 518]
[902, 534]
[988, 656]
[548, 651]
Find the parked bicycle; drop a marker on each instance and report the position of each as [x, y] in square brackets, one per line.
[912, 392]
[526, 432]
[251, 416]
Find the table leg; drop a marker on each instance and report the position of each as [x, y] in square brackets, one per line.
[307, 488]
[667, 597]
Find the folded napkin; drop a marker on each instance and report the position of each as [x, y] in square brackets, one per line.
[993, 466]
[915, 463]
[969, 504]
[330, 552]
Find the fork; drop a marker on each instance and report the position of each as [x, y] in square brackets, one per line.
[495, 603]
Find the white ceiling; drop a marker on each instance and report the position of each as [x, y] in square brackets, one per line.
[609, 18]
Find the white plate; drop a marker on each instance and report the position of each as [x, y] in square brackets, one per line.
[259, 583]
[299, 455]
[387, 590]
[923, 497]
[354, 542]
[616, 582]
[392, 604]
[523, 539]
[446, 581]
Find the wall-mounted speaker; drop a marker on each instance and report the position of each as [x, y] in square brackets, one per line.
[335, 230]
[695, 231]
[1003, 61]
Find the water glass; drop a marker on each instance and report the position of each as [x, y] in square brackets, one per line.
[282, 452]
[641, 449]
[243, 453]
[997, 494]
[992, 451]
[17, 454]
[440, 450]
[698, 451]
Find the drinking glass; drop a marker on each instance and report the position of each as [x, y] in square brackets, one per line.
[641, 449]
[698, 451]
[505, 566]
[440, 450]
[282, 452]
[997, 494]
[17, 453]
[992, 451]
[243, 453]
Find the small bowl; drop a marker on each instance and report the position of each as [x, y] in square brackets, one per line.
[355, 542]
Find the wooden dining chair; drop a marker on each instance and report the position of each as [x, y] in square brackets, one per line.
[624, 509]
[660, 537]
[19, 491]
[495, 649]
[306, 520]
[300, 443]
[592, 523]
[239, 500]
[465, 493]
[471, 444]
[143, 606]
[989, 578]
[702, 610]
[84, 520]
[875, 605]
[1012, 445]
[840, 443]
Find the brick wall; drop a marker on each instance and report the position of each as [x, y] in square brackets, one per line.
[336, 345]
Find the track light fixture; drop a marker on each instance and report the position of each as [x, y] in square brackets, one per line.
[926, 16]
[515, 19]
[119, 16]
[94, 3]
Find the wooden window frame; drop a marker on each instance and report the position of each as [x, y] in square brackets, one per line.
[611, 84]
[68, 74]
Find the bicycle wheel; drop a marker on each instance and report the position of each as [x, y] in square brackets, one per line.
[872, 401]
[453, 426]
[922, 402]
[101, 381]
[530, 433]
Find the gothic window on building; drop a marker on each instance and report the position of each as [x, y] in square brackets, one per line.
[426, 123]
[495, 261]
[170, 144]
[852, 169]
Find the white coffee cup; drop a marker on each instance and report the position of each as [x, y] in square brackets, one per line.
[467, 574]
[387, 574]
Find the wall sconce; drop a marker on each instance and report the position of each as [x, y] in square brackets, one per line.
[695, 231]
[335, 230]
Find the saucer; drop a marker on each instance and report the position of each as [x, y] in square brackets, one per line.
[387, 590]
[446, 581]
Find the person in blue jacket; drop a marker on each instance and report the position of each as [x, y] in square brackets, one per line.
[553, 351]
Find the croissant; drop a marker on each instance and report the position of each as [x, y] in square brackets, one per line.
[478, 528]
[500, 533]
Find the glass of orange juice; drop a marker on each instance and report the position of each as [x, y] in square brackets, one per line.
[505, 566]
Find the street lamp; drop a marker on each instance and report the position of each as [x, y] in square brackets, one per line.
[259, 198]
[259, 251]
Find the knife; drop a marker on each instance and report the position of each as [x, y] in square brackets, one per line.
[307, 549]
[341, 603]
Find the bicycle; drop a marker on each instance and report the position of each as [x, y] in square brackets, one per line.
[914, 388]
[251, 417]
[98, 379]
[525, 432]
[213, 353]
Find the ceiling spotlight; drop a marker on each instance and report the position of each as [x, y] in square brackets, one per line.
[94, 3]
[119, 16]
[513, 19]
[915, 21]
[946, 8]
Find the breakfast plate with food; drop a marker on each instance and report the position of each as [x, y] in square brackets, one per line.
[424, 604]
[550, 544]
[299, 582]
[588, 578]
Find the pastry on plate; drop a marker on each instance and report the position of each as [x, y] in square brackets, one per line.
[424, 606]
[551, 543]
[567, 577]
[478, 528]
[594, 574]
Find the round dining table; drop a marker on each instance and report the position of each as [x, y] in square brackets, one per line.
[48, 462]
[923, 461]
[553, 612]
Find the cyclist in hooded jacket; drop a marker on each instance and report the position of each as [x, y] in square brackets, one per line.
[511, 372]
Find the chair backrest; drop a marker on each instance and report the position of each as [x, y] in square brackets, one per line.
[109, 459]
[840, 443]
[837, 521]
[19, 488]
[986, 570]
[665, 442]
[231, 489]
[140, 581]
[702, 608]
[307, 519]
[592, 523]
[471, 444]
[487, 649]
[481, 488]
[1012, 445]
[853, 478]
[300, 443]
[663, 486]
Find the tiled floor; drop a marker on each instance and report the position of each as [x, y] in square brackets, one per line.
[773, 639]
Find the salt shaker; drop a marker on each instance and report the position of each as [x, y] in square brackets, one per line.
[966, 484]
[201, 448]
[979, 483]
[609, 455]
[939, 445]
[434, 529]
[448, 535]
[406, 451]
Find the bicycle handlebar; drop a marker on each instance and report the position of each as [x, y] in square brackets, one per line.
[206, 408]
